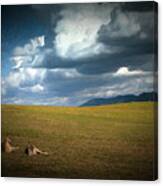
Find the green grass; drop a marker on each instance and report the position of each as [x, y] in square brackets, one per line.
[105, 142]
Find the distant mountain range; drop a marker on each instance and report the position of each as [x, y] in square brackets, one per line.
[149, 96]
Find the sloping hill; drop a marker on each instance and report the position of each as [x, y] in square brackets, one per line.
[150, 96]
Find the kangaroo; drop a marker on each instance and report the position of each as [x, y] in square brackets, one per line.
[7, 146]
[33, 150]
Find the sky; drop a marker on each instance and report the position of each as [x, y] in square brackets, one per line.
[67, 54]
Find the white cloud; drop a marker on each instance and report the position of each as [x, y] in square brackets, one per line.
[35, 88]
[98, 92]
[65, 73]
[14, 79]
[39, 41]
[3, 87]
[59, 101]
[36, 80]
[25, 77]
[31, 47]
[32, 73]
[19, 61]
[77, 31]
[124, 71]
[55, 101]
[29, 53]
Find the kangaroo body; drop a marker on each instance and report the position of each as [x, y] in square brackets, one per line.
[32, 150]
[7, 146]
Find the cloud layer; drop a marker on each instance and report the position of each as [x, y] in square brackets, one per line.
[96, 50]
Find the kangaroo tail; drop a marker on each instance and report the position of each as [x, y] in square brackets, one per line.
[42, 152]
[45, 153]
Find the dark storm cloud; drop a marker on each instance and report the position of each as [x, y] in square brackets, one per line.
[71, 84]
[110, 63]
[138, 7]
[82, 52]
[133, 43]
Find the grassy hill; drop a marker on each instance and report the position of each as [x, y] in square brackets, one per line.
[104, 142]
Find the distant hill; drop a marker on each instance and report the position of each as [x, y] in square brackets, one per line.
[149, 96]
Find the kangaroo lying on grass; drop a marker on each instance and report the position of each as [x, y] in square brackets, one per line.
[33, 150]
[30, 149]
[7, 146]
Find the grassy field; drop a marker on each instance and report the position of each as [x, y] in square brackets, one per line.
[105, 142]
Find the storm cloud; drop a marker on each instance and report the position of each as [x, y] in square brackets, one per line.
[84, 51]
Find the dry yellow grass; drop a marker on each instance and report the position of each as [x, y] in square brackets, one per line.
[105, 142]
